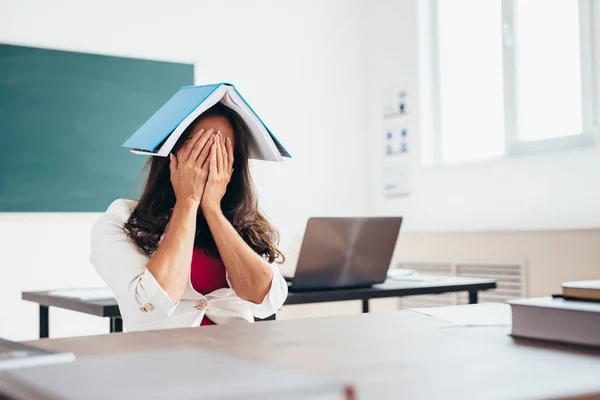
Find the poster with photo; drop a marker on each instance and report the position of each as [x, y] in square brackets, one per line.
[396, 137]
[394, 102]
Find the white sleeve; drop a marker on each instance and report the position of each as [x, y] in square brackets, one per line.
[123, 267]
[275, 297]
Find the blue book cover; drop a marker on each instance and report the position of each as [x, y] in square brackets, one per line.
[158, 135]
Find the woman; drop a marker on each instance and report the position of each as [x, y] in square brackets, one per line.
[194, 250]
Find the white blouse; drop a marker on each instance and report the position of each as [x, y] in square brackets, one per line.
[144, 304]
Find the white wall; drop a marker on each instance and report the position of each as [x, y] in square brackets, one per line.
[297, 63]
[545, 191]
[550, 257]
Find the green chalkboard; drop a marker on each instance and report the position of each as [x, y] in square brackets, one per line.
[63, 119]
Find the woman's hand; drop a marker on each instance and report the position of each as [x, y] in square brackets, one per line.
[250, 275]
[189, 170]
[220, 170]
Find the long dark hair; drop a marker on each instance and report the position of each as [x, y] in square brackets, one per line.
[150, 217]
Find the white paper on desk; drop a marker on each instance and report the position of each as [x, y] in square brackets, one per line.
[85, 294]
[410, 275]
[487, 314]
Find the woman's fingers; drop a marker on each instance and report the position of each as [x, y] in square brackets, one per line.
[200, 145]
[213, 158]
[225, 169]
[207, 152]
[184, 152]
[229, 146]
[172, 163]
[212, 151]
[219, 153]
[203, 156]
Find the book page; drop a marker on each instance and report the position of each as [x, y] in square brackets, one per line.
[262, 141]
[210, 101]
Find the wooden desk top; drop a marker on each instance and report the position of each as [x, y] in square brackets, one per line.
[387, 355]
[109, 307]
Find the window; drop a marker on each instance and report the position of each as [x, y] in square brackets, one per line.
[511, 77]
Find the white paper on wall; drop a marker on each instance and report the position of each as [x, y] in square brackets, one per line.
[396, 146]
[396, 180]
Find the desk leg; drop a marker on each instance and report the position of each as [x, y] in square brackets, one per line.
[116, 324]
[473, 297]
[44, 322]
[365, 305]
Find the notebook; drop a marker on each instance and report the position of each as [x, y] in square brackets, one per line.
[18, 355]
[182, 374]
[159, 134]
[589, 290]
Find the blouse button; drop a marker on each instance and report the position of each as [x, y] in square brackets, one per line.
[201, 304]
[147, 307]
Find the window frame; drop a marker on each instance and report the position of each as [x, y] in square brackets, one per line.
[590, 86]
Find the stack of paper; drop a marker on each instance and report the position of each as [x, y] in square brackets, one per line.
[85, 294]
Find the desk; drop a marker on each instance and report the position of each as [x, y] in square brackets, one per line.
[393, 355]
[109, 308]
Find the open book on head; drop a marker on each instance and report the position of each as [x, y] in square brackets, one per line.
[158, 135]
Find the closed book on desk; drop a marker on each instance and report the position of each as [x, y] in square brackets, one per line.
[18, 355]
[589, 290]
[158, 135]
[182, 374]
[557, 319]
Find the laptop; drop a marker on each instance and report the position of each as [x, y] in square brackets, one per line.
[345, 253]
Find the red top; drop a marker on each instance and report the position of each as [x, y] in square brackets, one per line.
[207, 275]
